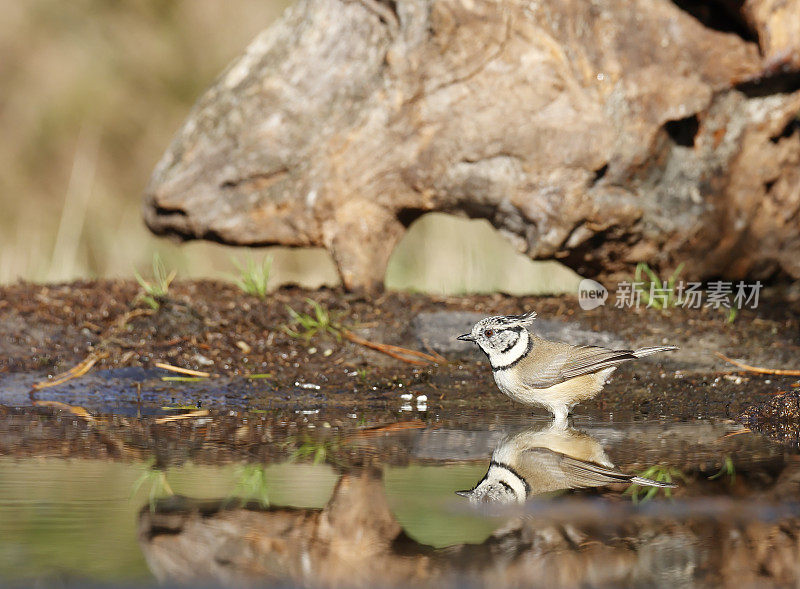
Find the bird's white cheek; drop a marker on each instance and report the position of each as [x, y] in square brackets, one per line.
[515, 353]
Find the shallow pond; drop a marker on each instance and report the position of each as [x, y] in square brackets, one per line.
[327, 497]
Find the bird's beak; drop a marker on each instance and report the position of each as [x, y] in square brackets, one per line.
[467, 337]
[464, 493]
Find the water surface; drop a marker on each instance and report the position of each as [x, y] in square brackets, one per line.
[307, 497]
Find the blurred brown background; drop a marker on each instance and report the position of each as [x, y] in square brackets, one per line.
[91, 92]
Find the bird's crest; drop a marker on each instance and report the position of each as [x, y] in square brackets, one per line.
[516, 320]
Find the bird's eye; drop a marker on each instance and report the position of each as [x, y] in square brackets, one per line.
[489, 332]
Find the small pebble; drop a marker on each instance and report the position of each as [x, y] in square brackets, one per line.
[202, 360]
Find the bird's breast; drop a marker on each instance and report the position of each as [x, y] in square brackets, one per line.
[504, 381]
[509, 384]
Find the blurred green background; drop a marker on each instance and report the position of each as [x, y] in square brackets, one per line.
[77, 519]
[91, 92]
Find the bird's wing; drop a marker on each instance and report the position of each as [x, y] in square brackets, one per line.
[589, 474]
[545, 369]
[587, 359]
[552, 470]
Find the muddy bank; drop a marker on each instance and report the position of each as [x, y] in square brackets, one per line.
[214, 327]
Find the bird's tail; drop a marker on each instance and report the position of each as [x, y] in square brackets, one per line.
[651, 483]
[642, 352]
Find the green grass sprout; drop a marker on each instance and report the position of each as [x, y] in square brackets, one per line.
[659, 473]
[668, 296]
[727, 469]
[305, 326]
[316, 450]
[155, 292]
[253, 277]
[157, 480]
[252, 484]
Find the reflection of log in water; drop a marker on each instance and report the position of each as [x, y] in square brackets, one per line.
[355, 541]
[347, 542]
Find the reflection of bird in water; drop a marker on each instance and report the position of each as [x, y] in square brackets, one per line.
[539, 461]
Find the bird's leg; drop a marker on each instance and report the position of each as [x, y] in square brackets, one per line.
[560, 415]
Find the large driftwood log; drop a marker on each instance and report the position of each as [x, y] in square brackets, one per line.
[777, 24]
[602, 133]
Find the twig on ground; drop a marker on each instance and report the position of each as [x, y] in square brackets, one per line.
[440, 359]
[74, 372]
[324, 322]
[123, 320]
[758, 369]
[179, 370]
[394, 351]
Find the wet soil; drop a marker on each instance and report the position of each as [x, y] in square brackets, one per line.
[214, 327]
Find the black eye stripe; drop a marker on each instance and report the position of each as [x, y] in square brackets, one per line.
[510, 345]
[500, 328]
